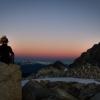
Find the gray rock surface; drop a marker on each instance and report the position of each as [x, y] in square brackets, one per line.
[84, 71]
[52, 70]
[10, 82]
[46, 90]
[96, 97]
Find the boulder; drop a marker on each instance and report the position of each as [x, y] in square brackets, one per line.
[10, 82]
[34, 90]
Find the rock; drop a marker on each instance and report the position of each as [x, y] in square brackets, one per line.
[84, 71]
[33, 90]
[96, 97]
[59, 65]
[87, 65]
[88, 91]
[57, 69]
[62, 94]
[42, 90]
[46, 90]
[91, 56]
[10, 82]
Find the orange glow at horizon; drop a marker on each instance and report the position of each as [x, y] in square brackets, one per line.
[54, 28]
[26, 51]
[48, 54]
[51, 49]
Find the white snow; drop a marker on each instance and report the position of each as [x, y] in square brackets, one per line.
[65, 79]
[70, 79]
[23, 82]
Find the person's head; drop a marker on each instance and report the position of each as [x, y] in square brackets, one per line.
[4, 40]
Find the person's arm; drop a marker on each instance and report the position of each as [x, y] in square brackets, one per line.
[11, 54]
[11, 51]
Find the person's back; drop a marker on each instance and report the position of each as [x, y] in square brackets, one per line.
[6, 53]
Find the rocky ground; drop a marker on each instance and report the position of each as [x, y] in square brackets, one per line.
[85, 66]
[10, 82]
[46, 90]
[84, 71]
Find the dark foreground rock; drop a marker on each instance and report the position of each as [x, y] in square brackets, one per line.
[46, 90]
[96, 97]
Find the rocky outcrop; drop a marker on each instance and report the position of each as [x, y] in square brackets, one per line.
[84, 71]
[33, 90]
[10, 82]
[59, 65]
[46, 90]
[52, 70]
[87, 65]
[91, 56]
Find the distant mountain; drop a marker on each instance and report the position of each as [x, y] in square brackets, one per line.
[28, 69]
[56, 69]
[58, 65]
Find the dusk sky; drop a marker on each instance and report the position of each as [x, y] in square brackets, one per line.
[52, 28]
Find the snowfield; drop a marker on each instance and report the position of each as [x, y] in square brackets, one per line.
[64, 79]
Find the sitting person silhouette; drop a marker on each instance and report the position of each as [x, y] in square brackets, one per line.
[6, 53]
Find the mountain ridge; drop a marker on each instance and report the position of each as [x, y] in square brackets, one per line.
[91, 56]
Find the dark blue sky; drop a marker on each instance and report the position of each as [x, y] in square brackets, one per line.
[50, 27]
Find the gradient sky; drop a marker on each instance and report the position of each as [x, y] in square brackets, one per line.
[52, 28]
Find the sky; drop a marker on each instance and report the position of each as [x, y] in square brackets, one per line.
[50, 28]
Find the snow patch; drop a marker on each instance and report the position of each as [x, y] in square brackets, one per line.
[64, 79]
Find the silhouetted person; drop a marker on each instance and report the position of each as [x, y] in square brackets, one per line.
[6, 53]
